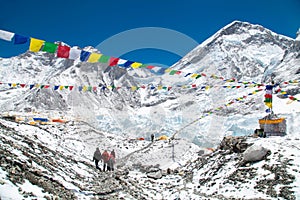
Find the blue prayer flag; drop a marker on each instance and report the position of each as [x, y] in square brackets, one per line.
[19, 39]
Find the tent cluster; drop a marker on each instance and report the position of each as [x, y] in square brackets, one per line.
[34, 120]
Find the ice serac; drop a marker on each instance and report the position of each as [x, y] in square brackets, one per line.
[240, 50]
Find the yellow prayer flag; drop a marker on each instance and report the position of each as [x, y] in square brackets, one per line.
[168, 70]
[61, 87]
[84, 88]
[14, 84]
[136, 65]
[94, 57]
[35, 44]
[133, 88]
[37, 85]
[159, 87]
[194, 75]
[269, 104]
[207, 87]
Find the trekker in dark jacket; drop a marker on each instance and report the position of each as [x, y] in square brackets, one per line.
[105, 157]
[97, 157]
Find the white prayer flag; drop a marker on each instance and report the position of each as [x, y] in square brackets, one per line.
[5, 35]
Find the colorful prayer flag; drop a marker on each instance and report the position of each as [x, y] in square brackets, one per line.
[5, 35]
[63, 51]
[104, 59]
[84, 55]
[49, 47]
[35, 44]
[94, 57]
[113, 61]
[136, 65]
[19, 39]
[74, 53]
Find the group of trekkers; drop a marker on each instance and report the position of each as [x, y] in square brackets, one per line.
[108, 159]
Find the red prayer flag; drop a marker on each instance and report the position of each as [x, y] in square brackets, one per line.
[22, 85]
[150, 67]
[71, 87]
[178, 72]
[292, 98]
[63, 51]
[268, 96]
[113, 61]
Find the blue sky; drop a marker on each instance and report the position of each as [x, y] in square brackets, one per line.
[89, 23]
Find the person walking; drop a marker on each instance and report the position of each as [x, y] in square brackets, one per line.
[105, 157]
[97, 157]
[152, 137]
[112, 161]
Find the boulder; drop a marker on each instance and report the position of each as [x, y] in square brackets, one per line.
[255, 153]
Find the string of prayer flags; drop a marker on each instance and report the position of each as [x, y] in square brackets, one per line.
[6, 35]
[268, 97]
[284, 93]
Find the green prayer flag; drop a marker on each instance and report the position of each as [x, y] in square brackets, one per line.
[173, 72]
[104, 59]
[268, 100]
[49, 47]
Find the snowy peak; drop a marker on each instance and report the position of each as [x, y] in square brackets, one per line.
[240, 50]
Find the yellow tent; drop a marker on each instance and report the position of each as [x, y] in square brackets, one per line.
[163, 137]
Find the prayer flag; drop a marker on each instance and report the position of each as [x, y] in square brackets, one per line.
[94, 57]
[84, 55]
[128, 63]
[150, 67]
[5, 35]
[49, 47]
[104, 59]
[63, 51]
[35, 44]
[74, 53]
[269, 104]
[56, 87]
[194, 75]
[121, 61]
[136, 65]
[187, 74]
[71, 87]
[19, 39]
[173, 72]
[113, 61]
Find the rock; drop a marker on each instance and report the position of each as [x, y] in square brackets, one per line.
[155, 175]
[255, 153]
[234, 144]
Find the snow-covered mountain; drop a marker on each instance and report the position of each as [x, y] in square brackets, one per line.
[200, 111]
